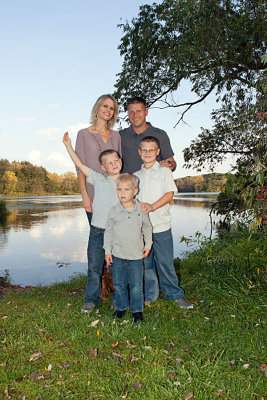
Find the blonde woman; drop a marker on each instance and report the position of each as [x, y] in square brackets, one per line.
[90, 142]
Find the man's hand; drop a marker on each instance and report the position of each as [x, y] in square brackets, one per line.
[108, 258]
[146, 208]
[146, 252]
[169, 163]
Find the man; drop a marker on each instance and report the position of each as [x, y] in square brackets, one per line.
[131, 137]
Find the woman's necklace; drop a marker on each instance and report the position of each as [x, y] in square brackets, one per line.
[99, 143]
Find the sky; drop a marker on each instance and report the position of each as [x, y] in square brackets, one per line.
[57, 58]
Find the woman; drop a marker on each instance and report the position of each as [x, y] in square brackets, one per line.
[90, 143]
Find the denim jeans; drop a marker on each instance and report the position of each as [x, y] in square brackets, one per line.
[160, 263]
[126, 272]
[89, 216]
[96, 257]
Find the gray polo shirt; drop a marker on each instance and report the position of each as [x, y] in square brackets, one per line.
[130, 142]
[127, 233]
[105, 197]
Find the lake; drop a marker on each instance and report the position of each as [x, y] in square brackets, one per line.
[45, 238]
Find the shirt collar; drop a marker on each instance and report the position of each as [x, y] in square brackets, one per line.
[132, 132]
[155, 167]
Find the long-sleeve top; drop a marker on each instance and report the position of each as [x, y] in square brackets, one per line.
[127, 233]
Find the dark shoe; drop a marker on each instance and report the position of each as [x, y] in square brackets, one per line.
[119, 314]
[138, 316]
[87, 307]
[182, 303]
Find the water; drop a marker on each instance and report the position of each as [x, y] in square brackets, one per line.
[45, 238]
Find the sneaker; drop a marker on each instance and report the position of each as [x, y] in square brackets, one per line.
[138, 316]
[182, 303]
[119, 314]
[87, 307]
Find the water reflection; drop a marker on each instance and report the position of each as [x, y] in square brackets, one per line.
[42, 233]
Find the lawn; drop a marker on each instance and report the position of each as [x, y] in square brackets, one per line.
[50, 350]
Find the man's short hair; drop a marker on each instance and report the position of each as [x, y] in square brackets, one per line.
[107, 153]
[136, 100]
[150, 139]
[129, 178]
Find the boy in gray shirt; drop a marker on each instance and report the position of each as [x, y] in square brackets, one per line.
[127, 240]
[105, 198]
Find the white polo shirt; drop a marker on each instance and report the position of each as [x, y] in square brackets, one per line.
[154, 183]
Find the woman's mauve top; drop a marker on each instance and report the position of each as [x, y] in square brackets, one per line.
[90, 145]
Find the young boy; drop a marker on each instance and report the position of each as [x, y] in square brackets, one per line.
[105, 198]
[127, 240]
[156, 191]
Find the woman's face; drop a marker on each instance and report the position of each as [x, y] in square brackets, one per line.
[106, 110]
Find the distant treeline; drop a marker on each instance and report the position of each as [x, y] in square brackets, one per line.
[23, 178]
[203, 183]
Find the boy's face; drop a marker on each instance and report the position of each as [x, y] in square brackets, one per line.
[126, 191]
[148, 151]
[111, 164]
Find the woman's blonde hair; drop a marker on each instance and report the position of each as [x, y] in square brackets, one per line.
[98, 103]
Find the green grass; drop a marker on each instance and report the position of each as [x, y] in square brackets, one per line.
[171, 353]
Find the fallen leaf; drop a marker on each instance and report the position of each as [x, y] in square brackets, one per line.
[35, 356]
[219, 394]
[66, 365]
[171, 375]
[263, 368]
[94, 323]
[88, 383]
[137, 385]
[97, 332]
[49, 368]
[117, 355]
[129, 345]
[93, 352]
[35, 376]
[188, 396]
[48, 305]
[246, 366]
[177, 383]
[148, 347]
[4, 317]
[232, 363]
[114, 344]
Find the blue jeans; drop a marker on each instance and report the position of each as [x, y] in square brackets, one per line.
[96, 257]
[126, 272]
[160, 263]
[89, 216]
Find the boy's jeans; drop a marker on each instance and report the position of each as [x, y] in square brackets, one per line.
[161, 254]
[126, 272]
[96, 257]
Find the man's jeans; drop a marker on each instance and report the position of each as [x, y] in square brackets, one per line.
[96, 257]
[126, 272]
[162, 255]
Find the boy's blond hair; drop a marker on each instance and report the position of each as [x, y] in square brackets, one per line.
[129, 178]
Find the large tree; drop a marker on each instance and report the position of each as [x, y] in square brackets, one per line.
[218, 46]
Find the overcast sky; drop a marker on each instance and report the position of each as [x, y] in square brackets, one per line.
[57, 58]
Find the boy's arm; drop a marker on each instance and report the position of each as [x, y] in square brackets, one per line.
[165, 199]
[75, 158]
[108, 239]
[147, 234]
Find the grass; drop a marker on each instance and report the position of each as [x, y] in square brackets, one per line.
[214, 351]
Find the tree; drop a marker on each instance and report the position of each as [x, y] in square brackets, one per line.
[9, 180]
[214, 44]
[218, 46]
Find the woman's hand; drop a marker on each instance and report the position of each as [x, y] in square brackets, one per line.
[87, 203]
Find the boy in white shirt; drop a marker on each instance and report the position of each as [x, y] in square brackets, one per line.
[156, 191]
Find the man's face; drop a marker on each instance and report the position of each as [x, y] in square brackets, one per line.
[111, 164]
[137, 114]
